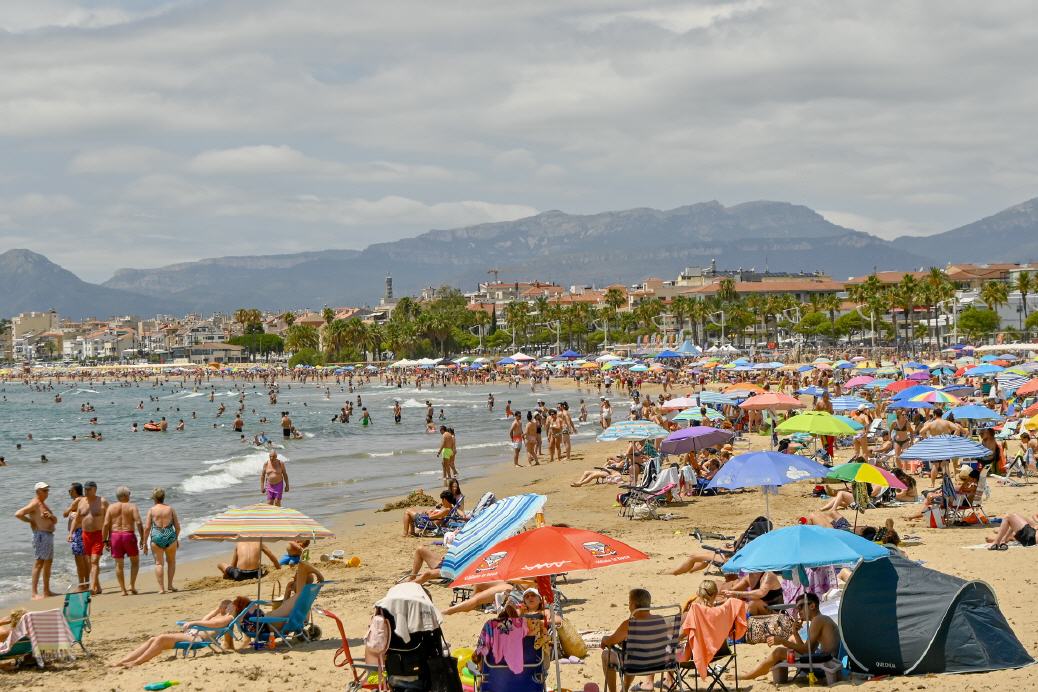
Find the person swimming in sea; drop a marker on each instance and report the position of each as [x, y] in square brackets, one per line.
[365, 417]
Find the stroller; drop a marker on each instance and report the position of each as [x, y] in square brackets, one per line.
[418, 657]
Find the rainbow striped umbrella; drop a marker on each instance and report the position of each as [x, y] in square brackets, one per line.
[260, 523]
[936, 397]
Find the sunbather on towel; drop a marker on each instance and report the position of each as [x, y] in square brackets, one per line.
[8, 624]
[597, 476]
[221, 616]
[1017, 527]
[441, 511]
[822, 633]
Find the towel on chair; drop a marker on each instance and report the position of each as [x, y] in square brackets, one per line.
[48, 633]
[708, 630]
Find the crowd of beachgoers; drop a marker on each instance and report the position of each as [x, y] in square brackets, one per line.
[866, 423]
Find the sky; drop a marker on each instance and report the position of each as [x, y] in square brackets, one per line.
[138, 133]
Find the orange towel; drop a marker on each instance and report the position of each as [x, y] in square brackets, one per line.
[708, 628]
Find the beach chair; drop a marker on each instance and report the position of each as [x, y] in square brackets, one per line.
[430, 528]
[361, 672]
[758, 527]
[43, 634]
[723, 658]
[77, 614]
[874, 429]
[972, 509]
[1010, 429]
[651, 647]
[495, 675]
[297, 622]
[232, 630]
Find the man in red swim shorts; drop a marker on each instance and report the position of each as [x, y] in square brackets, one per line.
[122, 526]
[91, 509]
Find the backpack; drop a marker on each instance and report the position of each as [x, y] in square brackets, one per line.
[376, 641]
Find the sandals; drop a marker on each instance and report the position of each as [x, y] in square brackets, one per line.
[998, 546]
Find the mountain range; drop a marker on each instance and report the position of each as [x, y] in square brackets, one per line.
[618, 246]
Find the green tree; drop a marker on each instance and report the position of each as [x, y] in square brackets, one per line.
[994, 294]
[289, 318]
[726, 290]
[248, 316]
[259, 344]
[615, 298]
[1032, 322]
[306, 356]
[906, 297]
[814, 324]
[977, 323]
[301, 336]
[1025, 285]
[518, 317]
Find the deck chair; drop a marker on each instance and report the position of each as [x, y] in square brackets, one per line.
[651, 647]
[343, 657]
[297, 621]
[1009, 430]
[233, 630]
[972, 510]
[42, 634]
[722, 659]
[495, 675]
[428, 528]
[652, 496]
[874, 429]
[758, 527]
[77, 614]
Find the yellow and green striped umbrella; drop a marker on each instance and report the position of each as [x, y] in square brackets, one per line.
[261, 523]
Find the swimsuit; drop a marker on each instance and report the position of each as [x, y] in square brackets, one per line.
[93, 543]
[275, 491]
[447, 453]
[43, 544]
[1025, 536]
[236, 574]
[290, 559]
[773, 597]
[841, 524]
[77, 542]
[163, 538]
[123, 544]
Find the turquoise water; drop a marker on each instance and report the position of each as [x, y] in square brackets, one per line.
[206, 469]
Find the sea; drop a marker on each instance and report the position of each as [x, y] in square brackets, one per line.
[206, 469]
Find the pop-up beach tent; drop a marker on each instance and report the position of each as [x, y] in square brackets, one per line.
[899, 618]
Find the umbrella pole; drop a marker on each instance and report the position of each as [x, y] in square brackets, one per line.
[259, 575]
[555, 638]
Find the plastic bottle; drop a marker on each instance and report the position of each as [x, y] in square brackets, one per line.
[270, 641]
[161, 685]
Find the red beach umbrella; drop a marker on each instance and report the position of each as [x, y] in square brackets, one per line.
[546, 551]
[774, 401]
[1029, 387]
[899, 385]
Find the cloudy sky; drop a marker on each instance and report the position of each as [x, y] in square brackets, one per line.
[144, 132]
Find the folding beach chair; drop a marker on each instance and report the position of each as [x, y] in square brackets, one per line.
[43, 634]
[215, 634]
[758, 527]
[77, 614]
[723, 658]
[297, 622]
[495, 675]
[651, 647]
[429, 528]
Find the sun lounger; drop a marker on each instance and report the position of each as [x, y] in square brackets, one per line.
[297, 622]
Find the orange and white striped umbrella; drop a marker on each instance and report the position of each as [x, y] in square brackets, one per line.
[261, 523]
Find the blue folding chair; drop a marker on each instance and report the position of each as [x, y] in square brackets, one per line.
[215, 634]
[496, 676]
[429, 528]
[295, 623]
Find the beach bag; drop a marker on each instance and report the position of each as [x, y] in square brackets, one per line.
[934, 518]
[570, 640]
[760, 627]
[642, 511]
[443, 674]
[376, 641]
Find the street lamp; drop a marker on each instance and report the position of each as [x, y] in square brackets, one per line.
[603, 324]
[719, 324]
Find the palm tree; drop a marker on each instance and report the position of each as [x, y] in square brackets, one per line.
[697, 312]
[301, 336]
[756, 304]
[289, 318]
[726, 290]
[906, 297]
[994, 294]
[679, 307]
[936, 289]
[1025, 284]
[482, 320]
[247, 316]
[337, 334]
[518, 317]
[327, 314]
[540, 306]
[376, 336]
[615, 299]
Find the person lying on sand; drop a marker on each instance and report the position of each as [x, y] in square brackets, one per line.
[425, 565]
[1017, 527]
[221, 616]
[597, 476]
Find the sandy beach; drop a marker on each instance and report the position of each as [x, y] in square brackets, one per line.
[597, 600]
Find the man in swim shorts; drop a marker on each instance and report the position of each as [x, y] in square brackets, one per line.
[122, 527]
[245, 562]
[274, 479]
[91, 512]
[447, 452]
[42, 521]
[75, 537]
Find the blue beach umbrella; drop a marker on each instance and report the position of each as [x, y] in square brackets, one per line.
[942, 447]
[632, 430]
[849, 403]
[984, 370]
[670, 354]
[851, 422]
[913, 391]
[811, 391]
[506, 361]
[717, 399]
[766, 469]
[696, 414]
[878, 384]
[499, 521]
[793, 548]
[973, 412]
[988, 358]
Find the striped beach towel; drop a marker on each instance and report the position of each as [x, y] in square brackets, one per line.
[48, 632]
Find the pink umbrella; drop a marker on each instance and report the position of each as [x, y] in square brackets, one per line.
[858, 381]
[921, 376]
[773, 401]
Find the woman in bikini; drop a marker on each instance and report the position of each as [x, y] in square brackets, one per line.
[163, 529]
[217, 618]
[901, 432]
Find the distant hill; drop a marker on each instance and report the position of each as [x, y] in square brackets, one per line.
[602, 248]
[1010, 235]
[29, 281]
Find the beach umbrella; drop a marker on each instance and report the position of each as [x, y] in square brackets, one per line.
[681, 402]
[920, 376]
[607, 357]
[717, 399]
[520, 357]
[908, 403]
[632, 430]
[503, 519]
[811, 391]
[771, 401]
[857, 472]
[794, 548]
[907, 393]
[855, 425]
[988, 358]
[815, 423]
[936, 397]
[973, 412]
[880, 383]
[693, 439]
[662, 355]
[568, 354]
[1032, 422]
[697, 414]
[547, 552]
[959, 389]
[849, 403]
[899, 385]
[766, 470]
[858, 381]
[943, 447]
[983, 370]
[262, 523]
